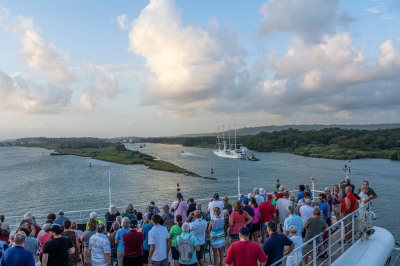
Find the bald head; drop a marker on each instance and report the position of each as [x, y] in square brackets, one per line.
[348, 190]
[197, 214]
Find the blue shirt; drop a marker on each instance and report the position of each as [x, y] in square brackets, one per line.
[145, 230]
[198, 229]
[194, 243]
[324, 209]
[296, 220]
[118, 237]
[300, 195]
[60, 219]
[17, 256]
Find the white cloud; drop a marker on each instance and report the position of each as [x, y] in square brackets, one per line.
[187, 64]
[101, 83]
[122, 21]
[331, 77]
[23, 95]
[309, 19]
[39, 55]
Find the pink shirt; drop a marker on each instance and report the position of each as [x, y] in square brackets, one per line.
[180, 208]
[43, 239]
[238, 221]
[256, 212]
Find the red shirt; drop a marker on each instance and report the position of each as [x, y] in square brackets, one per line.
[267, 211]
[353, 202]
[246, 253]
[133, 243]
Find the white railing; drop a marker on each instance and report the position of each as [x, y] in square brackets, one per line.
[334, 244]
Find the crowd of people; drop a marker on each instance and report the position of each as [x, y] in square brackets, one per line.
[258, 228]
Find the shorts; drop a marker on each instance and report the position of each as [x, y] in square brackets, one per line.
[255, 227]
[175, 253]
[336, 209]
[163, 262]
[87, 255]
[200, 253]
[145, 256]
[263, 228]
[234, 236]
[133, 260]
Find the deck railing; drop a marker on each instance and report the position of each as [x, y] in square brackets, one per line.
[360, 222]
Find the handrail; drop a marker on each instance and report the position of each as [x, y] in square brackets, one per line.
[332, 232]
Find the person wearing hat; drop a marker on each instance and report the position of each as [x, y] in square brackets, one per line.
[294, 258]
[56, 251]
[215, 203]
[129, 212]
[133, 245]
[246, 207]
[267, 213]
[180, 207]
[99, 247]
[244, 251]
[275, 244]
[18, 255]
[60, 218]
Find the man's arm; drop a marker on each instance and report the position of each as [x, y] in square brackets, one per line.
[108, 258]
[151, 251]
[45, 258]
[168, 245]
[289, 250]
[348, 204]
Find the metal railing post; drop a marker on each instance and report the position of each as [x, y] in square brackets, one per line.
[329, 251]
[342, 236]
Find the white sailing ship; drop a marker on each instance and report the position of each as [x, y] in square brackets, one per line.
[226, 149]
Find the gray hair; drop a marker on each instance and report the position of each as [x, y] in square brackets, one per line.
[19, 238]
[125, 222]
[290, 209]
[129, 207]
[185, 227]
[93, 215]
[115, 226]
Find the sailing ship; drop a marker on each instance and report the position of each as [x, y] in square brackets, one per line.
[226, 149]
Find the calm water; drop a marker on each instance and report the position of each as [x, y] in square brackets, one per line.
[34, 181]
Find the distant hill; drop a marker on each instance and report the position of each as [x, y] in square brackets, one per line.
[255, 130]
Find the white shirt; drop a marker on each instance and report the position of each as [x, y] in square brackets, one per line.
[158, 236]
[281, 205]
[215, 203]
[306, 212]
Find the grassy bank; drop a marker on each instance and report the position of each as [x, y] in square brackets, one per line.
[338, 153]
[110, 154]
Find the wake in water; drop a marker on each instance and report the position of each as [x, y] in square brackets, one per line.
[184, 154]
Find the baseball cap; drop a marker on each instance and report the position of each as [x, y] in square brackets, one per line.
[292, 228]
[245, 200]
[269, 196]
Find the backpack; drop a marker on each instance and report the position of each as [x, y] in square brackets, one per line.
[185, 248]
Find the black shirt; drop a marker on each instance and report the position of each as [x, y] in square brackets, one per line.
[57, 249]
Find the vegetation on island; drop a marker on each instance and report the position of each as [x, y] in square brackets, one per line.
[333, 143]
[101, 149]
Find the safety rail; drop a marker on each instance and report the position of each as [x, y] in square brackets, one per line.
[359, 223]
[82, 216]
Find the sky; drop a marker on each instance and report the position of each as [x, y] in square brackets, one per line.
[163, 68]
